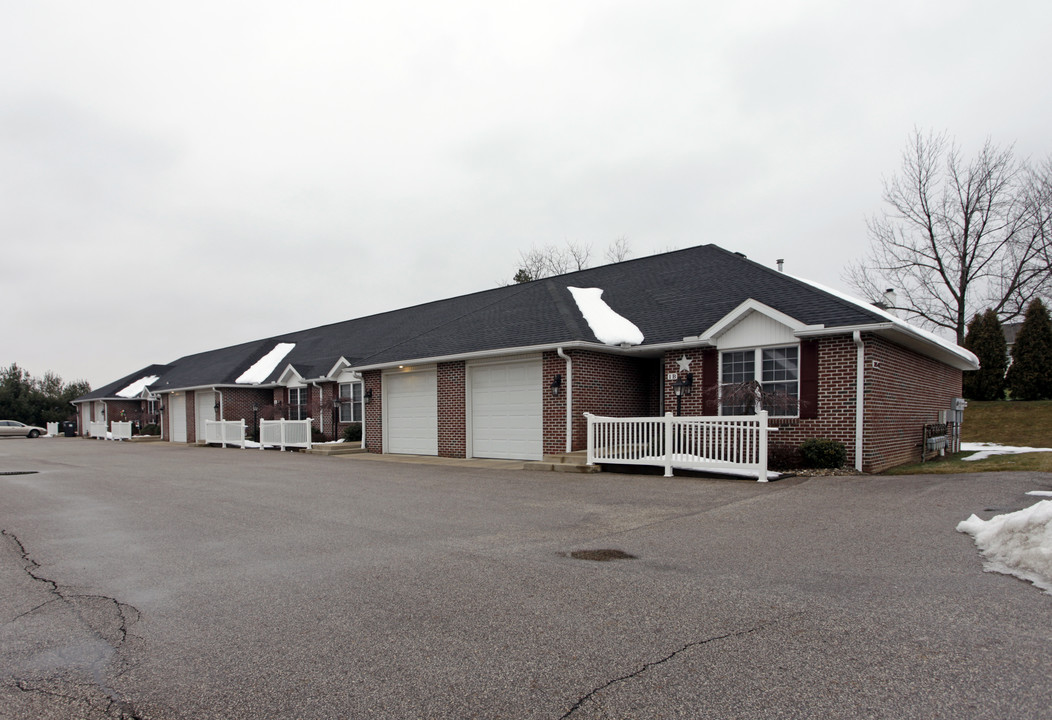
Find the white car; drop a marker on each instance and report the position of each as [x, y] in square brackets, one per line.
[13, 428]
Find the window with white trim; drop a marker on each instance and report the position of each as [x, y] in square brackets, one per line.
[350, 402]
[298, 407]
[760, 379]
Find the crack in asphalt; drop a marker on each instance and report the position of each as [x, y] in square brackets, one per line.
[647, 666]
[126, 616]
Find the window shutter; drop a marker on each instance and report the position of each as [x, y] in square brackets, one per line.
[809, 379]
[710, 376]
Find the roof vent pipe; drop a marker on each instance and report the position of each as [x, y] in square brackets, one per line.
[781, 262]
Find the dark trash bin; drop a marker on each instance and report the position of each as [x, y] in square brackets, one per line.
[69, 428]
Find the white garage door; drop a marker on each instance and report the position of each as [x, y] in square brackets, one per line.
[411, 404]
[204, 409]
[177, 417]
[506, 411]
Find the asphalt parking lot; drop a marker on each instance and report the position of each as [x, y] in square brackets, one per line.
[162, 582]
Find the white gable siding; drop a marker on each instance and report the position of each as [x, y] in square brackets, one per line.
[756, 330]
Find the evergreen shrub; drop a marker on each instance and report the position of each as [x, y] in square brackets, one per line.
[823, 453]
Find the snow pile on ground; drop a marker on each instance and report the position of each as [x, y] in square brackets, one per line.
[263, 367]
[984, 450]
[1018, 543]
[137, 387]
[607, 326]
[1042, 493]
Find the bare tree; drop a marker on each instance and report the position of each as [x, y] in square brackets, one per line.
[542, 262]
[959, 236]
[618, 250]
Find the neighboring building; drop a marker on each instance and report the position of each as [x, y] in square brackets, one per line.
[509, 372]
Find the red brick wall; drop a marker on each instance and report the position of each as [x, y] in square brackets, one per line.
[836, 401]
[125, 410]
[603, 384]
[904, 391]
[374, 437]
[238, 402]
[452, 399]
[692, 400]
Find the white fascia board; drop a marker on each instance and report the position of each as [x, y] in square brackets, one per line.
[212, 386]
[903, 334]
[289, 375]
[574, 345]
[743, 310]
[341, 365]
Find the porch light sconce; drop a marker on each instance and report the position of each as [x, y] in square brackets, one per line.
[160, 409]
[557, 382]
[216, 408]
[368, 396]
[255, 407]
[683, 385]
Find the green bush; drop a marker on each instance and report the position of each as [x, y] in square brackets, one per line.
[150, 430]
[822, 453]
[353, 432]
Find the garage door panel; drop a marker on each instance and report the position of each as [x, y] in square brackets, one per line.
[506, 411]
[412, 413]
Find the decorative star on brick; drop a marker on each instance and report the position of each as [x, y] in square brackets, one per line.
[684, 364]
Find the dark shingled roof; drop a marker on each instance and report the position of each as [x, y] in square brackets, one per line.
[669, 297]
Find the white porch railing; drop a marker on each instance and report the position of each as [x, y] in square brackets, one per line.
[120, 430]
[737, 443]
[97, 430]
[285, 433]
[52, 428]
[225, 432]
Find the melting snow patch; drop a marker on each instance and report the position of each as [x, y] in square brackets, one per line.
[1018, 543]
[981, 451]
[607, 326]
[1041, 493]
[137, 387]
[263, 367]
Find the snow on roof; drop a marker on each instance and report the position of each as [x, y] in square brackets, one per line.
[263, 367]
[1018, 543]
[609, 327]
[137, 387]
[902, 324]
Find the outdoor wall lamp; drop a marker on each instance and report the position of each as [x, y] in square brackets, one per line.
[368, 396]
[682, 387]
[557, 382]
[216, 408]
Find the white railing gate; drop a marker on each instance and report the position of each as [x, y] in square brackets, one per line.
[285, 433]
[225, 432]
[120, 430]
[727, 443]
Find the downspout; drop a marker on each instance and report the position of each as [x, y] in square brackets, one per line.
[860, 370]
[321, 410]
[569, 398]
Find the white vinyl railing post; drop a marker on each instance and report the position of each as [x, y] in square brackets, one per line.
[669, 421]
[762, 476]
[591, 438]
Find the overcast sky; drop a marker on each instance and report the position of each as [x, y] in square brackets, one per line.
[182, 176]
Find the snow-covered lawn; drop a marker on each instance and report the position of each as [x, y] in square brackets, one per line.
[981, 450]
[1018, 543]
